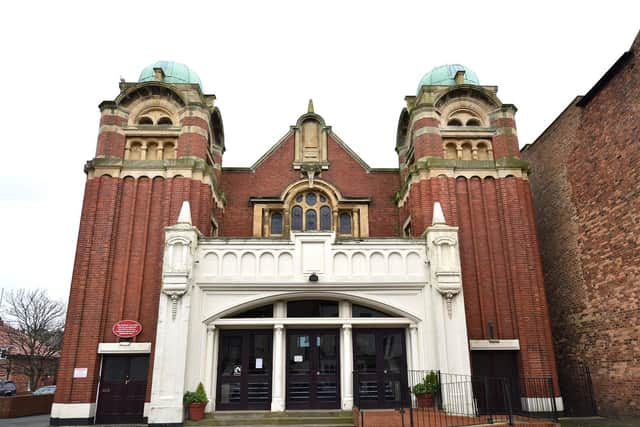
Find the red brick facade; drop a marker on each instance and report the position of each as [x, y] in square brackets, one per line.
[117, 271]
[585, 177]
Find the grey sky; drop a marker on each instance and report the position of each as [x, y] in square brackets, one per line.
[263, 60]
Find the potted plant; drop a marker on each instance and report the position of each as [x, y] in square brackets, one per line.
[195, 402]
[425, 390]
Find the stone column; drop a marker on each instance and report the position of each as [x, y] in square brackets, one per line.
[278, 379]
[170, 359]
[208, 366]
[415, 347]
[347, 367]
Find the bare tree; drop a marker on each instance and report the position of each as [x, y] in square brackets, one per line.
[35, 332]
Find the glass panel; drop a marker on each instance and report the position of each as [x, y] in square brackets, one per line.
[365, 352]
[322, 198]
[325, 218]
[368, 390]
[115, 368]
[299, 198]
[230, 393]
[231, 355]
[311, 220]
[257, 312]
[298, 391]
[345, 223]
[327, 353]
[392, 351]
[311, 199]
[362, 311]
[392, 390]
[260, 356]
[299, 351]
[138, 368]
[258, 392]
[310, 308]
[276, 223]
[296, 218]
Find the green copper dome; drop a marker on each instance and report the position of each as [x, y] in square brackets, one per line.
[174, 72]
[444, 75]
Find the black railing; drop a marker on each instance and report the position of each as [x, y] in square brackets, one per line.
[458, 400]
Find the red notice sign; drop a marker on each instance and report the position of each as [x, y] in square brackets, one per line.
[126, 328]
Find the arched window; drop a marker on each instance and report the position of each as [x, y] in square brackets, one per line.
[325, 218]
[466, 152]
[473, 122]
[454, 122]
[345, 223]
[145, 121]
[276, 223]
[317, 212]
[165, 121]
[296, 218]
[483, 152]
[310, 219]
[450, 151]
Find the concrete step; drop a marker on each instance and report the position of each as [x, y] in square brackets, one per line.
[272, 419]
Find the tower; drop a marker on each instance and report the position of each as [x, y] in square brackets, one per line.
[160, 142]
[457, 145]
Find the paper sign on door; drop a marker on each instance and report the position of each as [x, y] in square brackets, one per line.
[259, 363]
[297, 358]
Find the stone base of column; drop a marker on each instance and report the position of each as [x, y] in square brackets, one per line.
[277, 405]
[347, 403]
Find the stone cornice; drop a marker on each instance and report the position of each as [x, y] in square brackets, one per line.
[188, 167]
[432, 167]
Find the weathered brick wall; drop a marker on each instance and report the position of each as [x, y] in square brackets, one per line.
[585, 180]
[118, 267]
[276, 172]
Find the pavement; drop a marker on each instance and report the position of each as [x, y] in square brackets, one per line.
[35, 421]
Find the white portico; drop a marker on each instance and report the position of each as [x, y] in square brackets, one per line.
[248, 319]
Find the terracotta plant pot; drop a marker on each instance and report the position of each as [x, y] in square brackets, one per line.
[196, 411]
[425, 400]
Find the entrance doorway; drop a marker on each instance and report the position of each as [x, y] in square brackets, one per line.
[313, 369]
[380, 365]
[123, 386]
[497, 367]
[244, 370]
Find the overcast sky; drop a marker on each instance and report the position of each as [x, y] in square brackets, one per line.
[263, 60]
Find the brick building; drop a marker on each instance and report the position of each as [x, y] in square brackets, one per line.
[270, 284]
[584, 176]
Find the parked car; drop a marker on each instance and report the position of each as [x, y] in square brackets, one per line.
[48, 389]
[7, 388]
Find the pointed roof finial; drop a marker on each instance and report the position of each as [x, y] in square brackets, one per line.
[185, 214]
[438, 215]
[310, 107]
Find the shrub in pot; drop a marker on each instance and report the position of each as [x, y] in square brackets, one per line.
[195, 402]
[425, 390]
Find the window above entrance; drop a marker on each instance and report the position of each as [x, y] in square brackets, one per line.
[310, 208]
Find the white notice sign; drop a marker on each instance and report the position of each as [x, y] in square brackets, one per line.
[80, 373]
[297, 358]
[259, 363]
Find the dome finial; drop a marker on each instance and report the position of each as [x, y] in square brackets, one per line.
[310, 106]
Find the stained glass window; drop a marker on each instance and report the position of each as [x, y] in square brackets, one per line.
[311, 199]
[276, 223]
[311, 220]
[345, 223]
[325, 218]
[296, 218]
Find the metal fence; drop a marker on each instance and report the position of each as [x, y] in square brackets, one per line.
[577, 391]
[459, 400]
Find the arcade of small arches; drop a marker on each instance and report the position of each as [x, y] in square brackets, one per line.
[467, 150]
[141, 149]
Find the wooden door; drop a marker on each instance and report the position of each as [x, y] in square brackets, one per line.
[123, 386]
[313, 369]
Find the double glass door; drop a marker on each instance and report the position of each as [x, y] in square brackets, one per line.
[244, 370]
[380, 367]
[313, 369]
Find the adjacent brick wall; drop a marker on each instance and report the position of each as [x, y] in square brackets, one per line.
[585, 178]
[25, 405]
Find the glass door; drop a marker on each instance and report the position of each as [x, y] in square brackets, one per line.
[244, 370]
[313, 368]
[380, 366]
